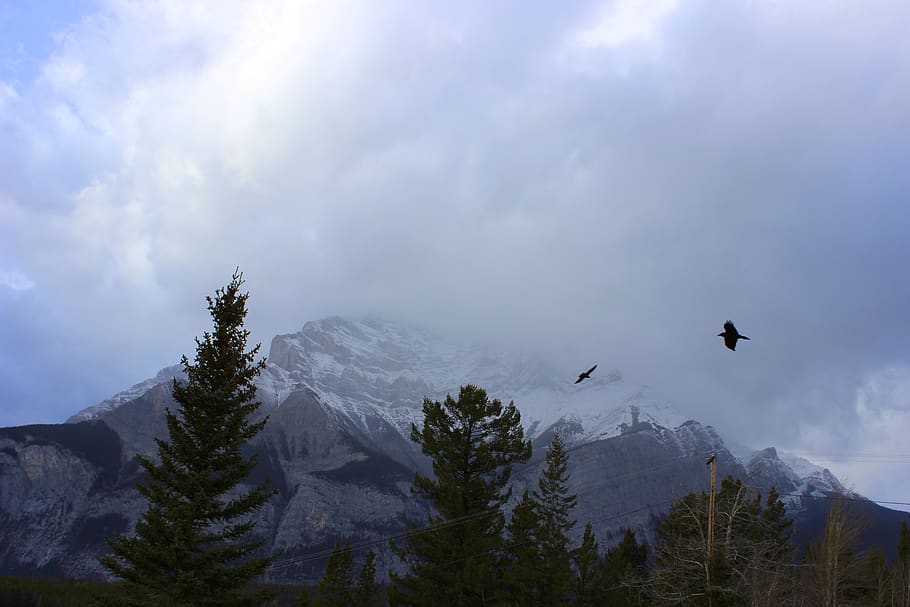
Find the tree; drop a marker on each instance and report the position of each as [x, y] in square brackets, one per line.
[589, 578]
[768, 573]
[336, 588]
[523, 563]
[877, 577]
[473, 443]
[835, 564]
[625, 566]
[902, 569]
[190, 546]
[553, 504]
[367, 592]
[750, 554]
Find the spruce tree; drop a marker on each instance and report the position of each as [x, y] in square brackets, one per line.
[589, 580]
[553, 505]
[336, 588]
[523, 564]
[625, 566]
[473, 443]
[190, 546]
[367, 592]
[902, 568]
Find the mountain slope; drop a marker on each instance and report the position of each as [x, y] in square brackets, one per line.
[341, 396]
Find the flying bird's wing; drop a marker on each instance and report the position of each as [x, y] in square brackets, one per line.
[729, 328]
[730, 341]
[585, 375]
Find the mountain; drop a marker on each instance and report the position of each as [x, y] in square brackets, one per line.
[341, 396]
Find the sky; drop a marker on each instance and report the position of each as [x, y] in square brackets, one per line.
[589, 181]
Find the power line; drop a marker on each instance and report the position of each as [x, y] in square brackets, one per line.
[843, 498]
[321, 554]
[325, 553]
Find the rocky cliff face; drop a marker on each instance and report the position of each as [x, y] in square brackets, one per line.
[341, 396]
[60, 495]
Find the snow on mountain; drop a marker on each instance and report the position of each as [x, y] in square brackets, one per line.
[795, 478]
[133, 392]
[369, 368]
[815, 480]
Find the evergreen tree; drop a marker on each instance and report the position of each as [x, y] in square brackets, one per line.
[625, 566]
[553, 505]
[336, 588]
[367, 593]
[190, 547]
[303, 598]
[523, 564]
[747, 564]
[902, 569]
[473, 443]
[589, 579]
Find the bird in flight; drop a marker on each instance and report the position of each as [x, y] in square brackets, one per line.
[585, 375]
[731, 335]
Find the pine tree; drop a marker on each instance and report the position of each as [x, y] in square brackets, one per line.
[589, 579]
[367, 593]
[902, 569]
[336, 588]
[522, 582]
[190, 547]
[553, 505]
[473, 443]
[303, 598]
[625, 565]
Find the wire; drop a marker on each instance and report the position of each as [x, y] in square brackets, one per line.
[325, 553]
[315, 556]
[843, 498]
[870, 458]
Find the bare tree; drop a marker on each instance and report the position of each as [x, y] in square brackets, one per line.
[748, 563]
[835, 564]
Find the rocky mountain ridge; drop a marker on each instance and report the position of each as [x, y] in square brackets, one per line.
[341, 395]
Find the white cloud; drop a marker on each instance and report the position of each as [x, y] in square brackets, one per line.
[15, 280]
[868, 444]
[436, 165]
[622, 22]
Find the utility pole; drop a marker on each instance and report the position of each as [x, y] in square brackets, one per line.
[712, 461]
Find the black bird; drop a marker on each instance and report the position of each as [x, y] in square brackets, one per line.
[730, 335]
[585, 375]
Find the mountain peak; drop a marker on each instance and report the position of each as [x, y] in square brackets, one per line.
[370, 366]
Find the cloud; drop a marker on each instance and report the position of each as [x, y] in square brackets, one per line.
[458, 166]
[15, 280]
[866, 444]
[625, 21]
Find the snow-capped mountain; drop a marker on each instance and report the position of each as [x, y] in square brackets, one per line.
[366, 368]
[341, 396]
[130, 394]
